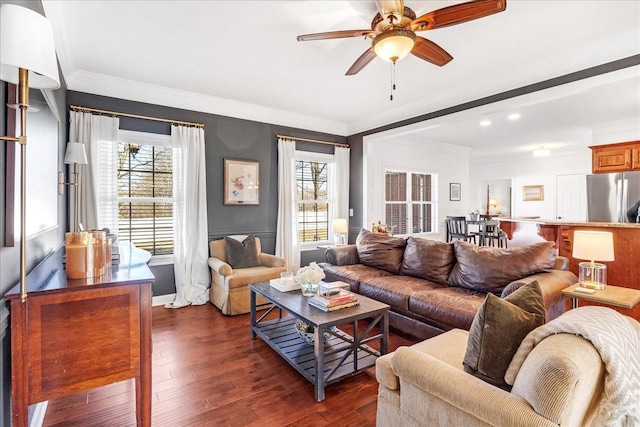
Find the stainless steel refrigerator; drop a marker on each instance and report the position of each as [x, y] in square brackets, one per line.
[611, 196]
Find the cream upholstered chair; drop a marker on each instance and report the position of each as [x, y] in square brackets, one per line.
[563, 380]
[230, 286]
[425, 385]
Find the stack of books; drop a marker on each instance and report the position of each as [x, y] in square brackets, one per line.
[343, 299]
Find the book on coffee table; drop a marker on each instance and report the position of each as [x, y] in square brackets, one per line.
[332, 307]
[342, 299]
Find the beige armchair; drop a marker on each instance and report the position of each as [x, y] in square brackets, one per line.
[229, 286]
[560, 383]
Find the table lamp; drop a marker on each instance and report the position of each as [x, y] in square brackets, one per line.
[593, 246]
[340, 230]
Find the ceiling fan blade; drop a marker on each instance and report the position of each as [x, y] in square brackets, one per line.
[458, 14]
[361, 62]
[431, 52]
[335, 35]
[390, 6]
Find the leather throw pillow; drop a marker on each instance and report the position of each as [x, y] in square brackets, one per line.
[497, 330]
[489, 269]
[380, 250]
[242, 254]
[428, 259]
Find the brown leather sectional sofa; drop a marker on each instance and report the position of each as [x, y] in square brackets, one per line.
[432, 286]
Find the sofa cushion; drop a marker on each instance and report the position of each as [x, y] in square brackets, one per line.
[428, 259]
[352, 274]
[242, 254]
[447, 307]
[380, 250]
[490, 269]
[497, 330]
[395, 290]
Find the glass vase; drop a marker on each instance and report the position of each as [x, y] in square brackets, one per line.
[309, 289]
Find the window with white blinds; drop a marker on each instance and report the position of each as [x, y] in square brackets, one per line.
[410, 202]
[145, 191]
[313, 181]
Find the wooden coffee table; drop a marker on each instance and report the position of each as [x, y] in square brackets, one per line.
[328, 360]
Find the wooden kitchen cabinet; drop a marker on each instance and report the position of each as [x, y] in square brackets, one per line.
[621, 157]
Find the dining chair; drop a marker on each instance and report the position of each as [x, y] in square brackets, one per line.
[457, 228]
[490, 233]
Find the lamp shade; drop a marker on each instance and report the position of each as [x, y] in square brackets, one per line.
[75, 154]
[340, 225]
[593, 245]
[26, 41]
[393, 45]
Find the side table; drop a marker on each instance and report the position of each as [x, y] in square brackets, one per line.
[611, 295]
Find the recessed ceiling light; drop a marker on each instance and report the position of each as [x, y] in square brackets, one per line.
[541, 152]
[485, 123]
[513, 116]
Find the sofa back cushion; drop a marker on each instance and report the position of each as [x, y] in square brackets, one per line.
[380, 250]
[428, 259]
[489, 269]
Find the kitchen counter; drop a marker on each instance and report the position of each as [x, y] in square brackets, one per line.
[558, 222]
[623, 272]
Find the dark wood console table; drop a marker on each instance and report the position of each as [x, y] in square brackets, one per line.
[76, 334]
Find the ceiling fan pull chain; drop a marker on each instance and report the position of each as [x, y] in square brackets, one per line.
[393, 79]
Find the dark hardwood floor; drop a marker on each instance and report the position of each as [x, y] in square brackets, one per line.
[207, 371]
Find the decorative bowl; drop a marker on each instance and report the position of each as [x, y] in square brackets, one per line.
[306, 332]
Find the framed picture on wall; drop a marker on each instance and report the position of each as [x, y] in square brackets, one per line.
[241, 182]
[532, 192]
[455, 190]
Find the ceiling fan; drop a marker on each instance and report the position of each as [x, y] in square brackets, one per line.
[393, 31]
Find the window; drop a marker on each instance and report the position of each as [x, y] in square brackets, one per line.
[410, 205]
[145, 191]
[313, 176]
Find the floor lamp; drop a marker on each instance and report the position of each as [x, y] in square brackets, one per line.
[27, 56]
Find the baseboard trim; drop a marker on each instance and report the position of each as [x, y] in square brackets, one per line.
[162, 299]
[37, 420]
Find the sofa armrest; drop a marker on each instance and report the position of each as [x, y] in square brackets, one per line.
[269, 260]
[342, 255]
[220, 266]
[562, 263]
[551, 284]
[461, 390]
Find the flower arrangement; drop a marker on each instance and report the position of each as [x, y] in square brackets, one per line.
[310, 274]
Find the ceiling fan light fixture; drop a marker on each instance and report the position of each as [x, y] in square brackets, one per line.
[394, 44]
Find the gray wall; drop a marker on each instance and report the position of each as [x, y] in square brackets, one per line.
[226, 138]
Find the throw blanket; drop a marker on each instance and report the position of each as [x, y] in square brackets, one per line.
[617, 339]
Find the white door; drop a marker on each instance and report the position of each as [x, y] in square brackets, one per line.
[571, 197]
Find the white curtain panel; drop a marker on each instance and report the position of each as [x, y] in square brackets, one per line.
[287, 244]
[98, 197]
[341, 187]
[190, 234]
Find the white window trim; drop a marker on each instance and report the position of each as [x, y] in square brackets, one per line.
[310, 156]
[158, 140]
[435, 202]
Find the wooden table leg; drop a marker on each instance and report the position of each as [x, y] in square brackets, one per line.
[143, 382]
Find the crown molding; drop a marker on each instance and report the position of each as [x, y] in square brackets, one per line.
[99, 84]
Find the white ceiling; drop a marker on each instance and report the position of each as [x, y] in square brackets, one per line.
[241, 59]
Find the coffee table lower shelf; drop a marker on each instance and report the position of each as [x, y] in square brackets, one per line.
[341, 359]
